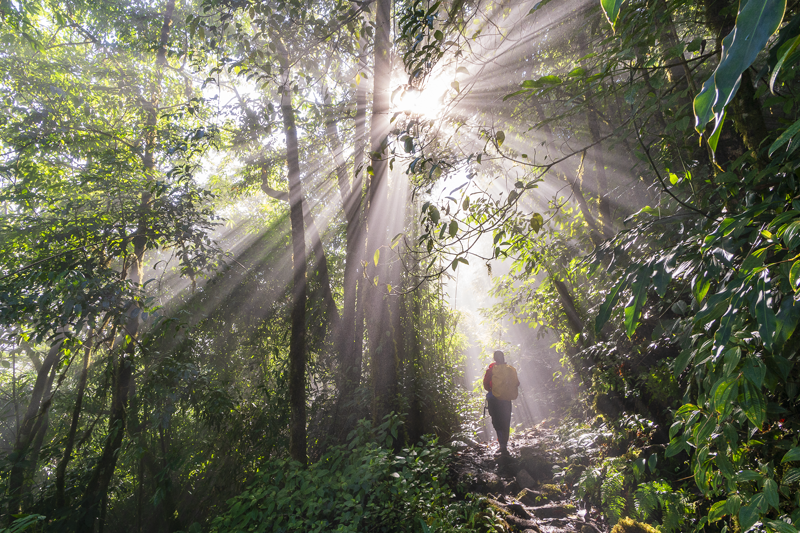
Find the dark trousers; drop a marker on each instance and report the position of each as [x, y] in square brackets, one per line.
[500, 411]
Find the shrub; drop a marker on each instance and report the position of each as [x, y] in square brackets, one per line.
[358, 487]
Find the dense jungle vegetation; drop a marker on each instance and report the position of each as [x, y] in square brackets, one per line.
[232, 233]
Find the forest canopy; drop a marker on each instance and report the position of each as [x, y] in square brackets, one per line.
[233, 235]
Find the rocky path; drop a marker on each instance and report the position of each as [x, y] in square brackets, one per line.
[522, 484]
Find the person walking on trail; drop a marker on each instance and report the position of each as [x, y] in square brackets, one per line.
[502, 385]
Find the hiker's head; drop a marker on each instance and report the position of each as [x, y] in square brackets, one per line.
[499, 357]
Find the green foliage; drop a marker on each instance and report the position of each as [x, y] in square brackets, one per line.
[755, 24]
[30, 523]
[356, 487]
[656, 501]
[605, 486]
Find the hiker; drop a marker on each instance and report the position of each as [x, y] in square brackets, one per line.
[502, 383]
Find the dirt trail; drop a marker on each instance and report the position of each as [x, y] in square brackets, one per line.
[522, 484]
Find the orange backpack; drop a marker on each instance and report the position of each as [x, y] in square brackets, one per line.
[505, 385]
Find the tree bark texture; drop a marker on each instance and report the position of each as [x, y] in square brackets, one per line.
[61, 469]
[382, 345]
[36, 413]
[297, 338]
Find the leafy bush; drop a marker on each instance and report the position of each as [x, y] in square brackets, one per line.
[358, 487]
[656, 499]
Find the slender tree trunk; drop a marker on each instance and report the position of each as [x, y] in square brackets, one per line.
[95, 497]
[601, 178]
[38, 405]
[297, 340]
[575, 184]
[350, 335]
[382, 345]
[61, 469]
[321, 262]
[354, 282]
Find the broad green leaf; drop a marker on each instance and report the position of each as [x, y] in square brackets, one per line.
[723, 333]
[748, 475]
[733, 504]
[762, 310]
[661, 279]
[785, 51]
[731, 360]
[608, 305]
[611, 10]
[725, 466]
[754, 260]
[754, 370]
[633, 309]
[761, 502]
[434, 214]
[791, 235]
[752, 403]
[755, 24]
[551, 79]
[704, 105]
[686, 409]
[500, 136]
[748, 515]
[376, 256]
[676, 446]
[453, 230]
[786, 319]
[537, 221]
[703, 430]
[786, 216]
[791, 476]
[779, 526]
[701, 287]
[725, 391]
[794, 276]
[713, 139]
[717, 511]
[791, 455]
[682, 361]
[771, 493]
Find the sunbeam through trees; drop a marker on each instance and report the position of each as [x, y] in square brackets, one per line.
[256, 256]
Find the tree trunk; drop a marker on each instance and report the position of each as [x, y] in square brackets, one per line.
[61, 469]
[297, 340]
[601, 178]
[382, 345]
[37, 409]
[354, 282]
[95, 497]
[350, 337]
[575, 184]
[321, 262]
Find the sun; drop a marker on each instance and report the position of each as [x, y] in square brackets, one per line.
[427, 102]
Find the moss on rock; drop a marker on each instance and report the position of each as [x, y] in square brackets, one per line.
[629, 525]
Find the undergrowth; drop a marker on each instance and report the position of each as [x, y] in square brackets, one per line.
[358, 487]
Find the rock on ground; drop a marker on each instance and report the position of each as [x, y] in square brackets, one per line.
[522, 485]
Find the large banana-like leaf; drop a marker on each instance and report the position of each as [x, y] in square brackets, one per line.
[756, 22]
